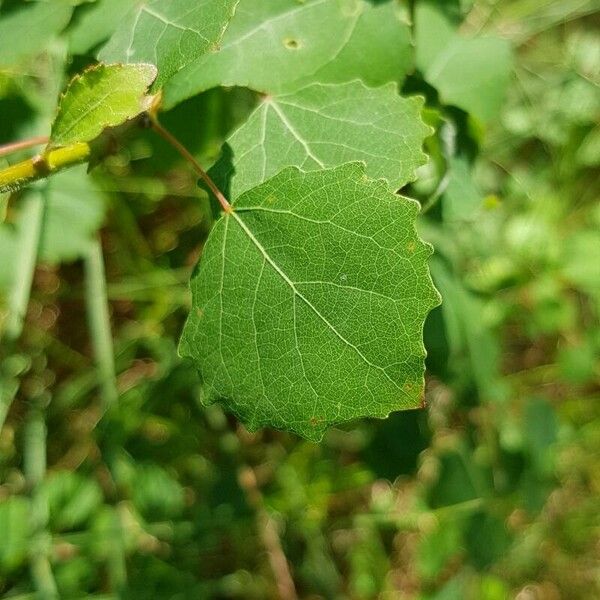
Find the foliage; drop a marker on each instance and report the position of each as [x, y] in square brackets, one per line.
[116, 478]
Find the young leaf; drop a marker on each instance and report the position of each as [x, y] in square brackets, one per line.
[269, 45]
[309, 302]
[169, 34]
[103, 96]
[325, 126]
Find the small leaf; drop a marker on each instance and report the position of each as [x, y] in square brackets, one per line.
[309, 303]
[103, 96]
[269, 45]
[326, 126]
[169, 34]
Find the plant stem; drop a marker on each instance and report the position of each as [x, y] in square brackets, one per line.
[7, 149]
[34, 456]
[24, 269]
[171, 139]
[99, 322]
[38, 167]
[267, 529]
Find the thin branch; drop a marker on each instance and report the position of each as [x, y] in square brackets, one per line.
[16, 176]
[171, 139]
[7, 149]
[269, 536]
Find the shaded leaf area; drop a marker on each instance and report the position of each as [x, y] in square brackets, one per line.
[169, 35]
[324, 126]
[309, 303]
[95, 22]
[102, 96]
[276, 46]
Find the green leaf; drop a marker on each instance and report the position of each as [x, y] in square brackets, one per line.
[325, 126]
[169, 34]
[269, 45]
[15, 513]
[309, 303]
[471, 73]
[378, 51]
[8, 252]
[25, 32]
[73, 213]
[97, 23]
[103, 96]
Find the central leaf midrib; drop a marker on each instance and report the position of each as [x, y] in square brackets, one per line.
[295, 290]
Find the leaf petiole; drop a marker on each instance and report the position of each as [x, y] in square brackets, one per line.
[171, 139]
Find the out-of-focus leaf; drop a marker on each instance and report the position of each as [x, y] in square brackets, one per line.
[73, 213]
[72, 499]
[324, 126]
[309, 303]
[96, 23]
[25, 32]
[486, 539]
[170, 34]
[471, 73]
[462, 199]
[103, 96]
[15, 528]
[540, 433]
[155, 493]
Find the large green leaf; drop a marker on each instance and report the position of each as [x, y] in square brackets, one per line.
[325, 126]
[471, 73]
[103, 96]
[25, 32]
[269, 45]
[169, 34]
[309, 302]
[378, 51]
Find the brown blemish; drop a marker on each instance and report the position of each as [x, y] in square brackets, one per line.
[291, 43]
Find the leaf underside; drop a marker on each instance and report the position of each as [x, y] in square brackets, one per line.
[309, 303]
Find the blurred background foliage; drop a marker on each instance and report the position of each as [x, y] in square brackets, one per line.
[137, 491]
